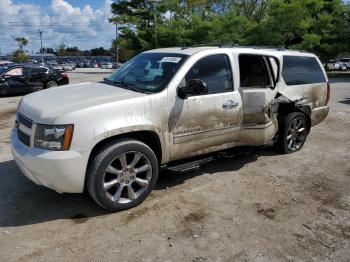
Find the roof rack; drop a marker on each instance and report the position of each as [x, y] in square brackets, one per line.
[199, 45]
[235, 45]
[279, 48]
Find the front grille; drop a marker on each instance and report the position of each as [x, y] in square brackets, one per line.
[25, 139]
[24, 136]
[25, 121]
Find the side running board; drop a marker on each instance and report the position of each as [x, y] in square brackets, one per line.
[188, 166]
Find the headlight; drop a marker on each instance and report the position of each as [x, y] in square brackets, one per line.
[53, 137]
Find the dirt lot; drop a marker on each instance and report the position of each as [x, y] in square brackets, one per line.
[255, 205]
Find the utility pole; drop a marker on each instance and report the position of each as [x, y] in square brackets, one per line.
[116, 37]
[41, 45]
[155, 2]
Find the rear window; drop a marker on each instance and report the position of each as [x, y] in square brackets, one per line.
[301, 70]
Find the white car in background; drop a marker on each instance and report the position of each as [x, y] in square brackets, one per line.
[5, 62]
[106, 65]
[332, 65]
[346, 61]
[335, 65]
[67, 67]
[57, 67]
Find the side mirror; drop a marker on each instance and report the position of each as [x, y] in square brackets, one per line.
[2, 80]
[194, 87]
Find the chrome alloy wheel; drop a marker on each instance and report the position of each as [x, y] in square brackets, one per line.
[296, 133]
[127, 177]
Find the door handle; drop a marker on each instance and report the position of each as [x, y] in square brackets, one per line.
[229, 104]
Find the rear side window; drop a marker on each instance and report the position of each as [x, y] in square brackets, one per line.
[301, 70]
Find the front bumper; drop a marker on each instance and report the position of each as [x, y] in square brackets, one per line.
[319, 114]
[62, 171]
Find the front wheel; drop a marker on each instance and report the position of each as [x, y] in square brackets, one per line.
[122, 174]
[293, 130]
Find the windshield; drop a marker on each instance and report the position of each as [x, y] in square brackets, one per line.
[148, 72]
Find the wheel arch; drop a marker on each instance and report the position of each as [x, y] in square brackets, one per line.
[286, 108]
[150, 138]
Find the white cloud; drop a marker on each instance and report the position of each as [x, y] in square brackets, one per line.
[61, 22]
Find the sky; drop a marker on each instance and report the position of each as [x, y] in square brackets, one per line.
[81, 23]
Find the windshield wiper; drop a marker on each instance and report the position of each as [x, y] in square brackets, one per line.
[110, 82]
[128, 85]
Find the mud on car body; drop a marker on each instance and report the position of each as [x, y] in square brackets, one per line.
[161, 108]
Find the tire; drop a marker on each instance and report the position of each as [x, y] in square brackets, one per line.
[292, 133]
[122, 174]
[51, 84]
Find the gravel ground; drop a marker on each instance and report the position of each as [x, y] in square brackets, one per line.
[254, 205]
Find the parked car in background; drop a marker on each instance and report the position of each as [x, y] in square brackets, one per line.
[106, 65]
[342, 66]
[5, 62]
[346, 61]
[16, 78]
[67, 67]
[332, 65]
[57, 67]
[335, 65]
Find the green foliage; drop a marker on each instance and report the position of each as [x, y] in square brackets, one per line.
[319, 26]
[19, 56]
[72, 49]
[98, 51]
[22, 42]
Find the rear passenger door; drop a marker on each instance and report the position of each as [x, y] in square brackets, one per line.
[33, 78]
[258, 74]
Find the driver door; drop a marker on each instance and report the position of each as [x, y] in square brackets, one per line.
[200, 124]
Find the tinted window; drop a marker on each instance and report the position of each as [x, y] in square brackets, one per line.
[254, 71]
[215, 71]
[15, 72]
[300, 70]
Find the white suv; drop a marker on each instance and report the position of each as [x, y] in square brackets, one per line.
[113, 137]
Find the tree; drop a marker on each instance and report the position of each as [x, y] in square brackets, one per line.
[73, 49]
[22, 42]
[61, 48]
[47, 50]
[99, 51]
[319, 26]
[19, 56]
[124, 53]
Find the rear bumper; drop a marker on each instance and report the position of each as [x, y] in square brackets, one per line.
[319, 114]
[63, 81]
[62, 171]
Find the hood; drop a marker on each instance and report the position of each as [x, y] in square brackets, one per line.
[46, 105]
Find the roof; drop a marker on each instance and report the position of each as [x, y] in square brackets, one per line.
[235, 48]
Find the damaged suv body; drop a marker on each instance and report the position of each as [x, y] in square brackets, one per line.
[166, 105]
